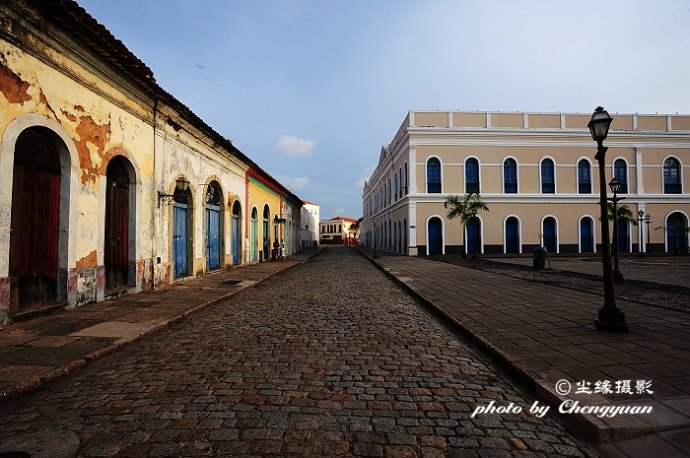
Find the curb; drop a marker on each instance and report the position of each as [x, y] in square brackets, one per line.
[36, 383]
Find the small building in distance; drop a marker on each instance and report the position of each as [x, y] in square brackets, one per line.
[309, 224]
[339, 230]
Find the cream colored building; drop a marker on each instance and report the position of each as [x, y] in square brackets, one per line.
[340, 229]
[538, 176]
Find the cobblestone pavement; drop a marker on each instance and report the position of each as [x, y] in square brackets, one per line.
[660, 281]
[328, 358]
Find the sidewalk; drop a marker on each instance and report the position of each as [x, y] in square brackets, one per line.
[546, 334]
[35, 352]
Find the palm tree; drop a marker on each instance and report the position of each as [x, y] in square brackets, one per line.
[466, 207]
[624, 213]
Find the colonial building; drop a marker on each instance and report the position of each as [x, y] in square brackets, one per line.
[340, 229]
[108, 184]
[537, 174]
[310, 224]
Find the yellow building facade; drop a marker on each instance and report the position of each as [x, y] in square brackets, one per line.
[537, 174]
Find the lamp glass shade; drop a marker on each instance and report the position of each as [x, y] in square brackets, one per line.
[182, 184]
[615, 185]
[640, 213]
[599, 124]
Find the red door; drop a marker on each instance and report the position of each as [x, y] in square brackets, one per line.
[35, 222]
[116, 250]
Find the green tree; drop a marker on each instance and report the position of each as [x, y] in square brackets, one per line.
[624, 213]
[464, 207]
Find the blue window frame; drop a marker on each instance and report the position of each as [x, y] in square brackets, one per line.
[584, 177]
[471, 175]
[510, 185]
[620, 171]
[672, 184]
[433, 175]
[548, 179]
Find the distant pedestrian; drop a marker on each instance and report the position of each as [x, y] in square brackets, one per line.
[282, 250]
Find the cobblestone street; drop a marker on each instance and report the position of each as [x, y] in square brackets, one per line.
[327, 358]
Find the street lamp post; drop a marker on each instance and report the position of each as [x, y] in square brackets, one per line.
[474, 222]
[640, 243]
[647, 220]
[615, 185]
[611, 318]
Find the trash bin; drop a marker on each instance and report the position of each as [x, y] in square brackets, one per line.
[539, 258]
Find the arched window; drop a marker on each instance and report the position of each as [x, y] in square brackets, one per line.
[620, 171]
[510, 184]
[672, 184]
[471, 175]
[396, 186]
[548, 178]
[433, 175]
[512, 235]
[584, 177]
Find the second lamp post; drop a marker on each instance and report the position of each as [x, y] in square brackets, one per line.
[615, 186]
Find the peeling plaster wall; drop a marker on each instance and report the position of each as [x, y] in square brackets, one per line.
[96, 126]
[47, 80]
[182, 152]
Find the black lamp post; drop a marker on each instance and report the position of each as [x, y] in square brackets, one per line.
[640, 220]
[647, 221]
[476, 229]
[615, 186]
[611, 318]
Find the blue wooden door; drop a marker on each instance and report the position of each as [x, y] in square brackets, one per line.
[550, 238]
[474, 241]
[586, 236]
[235, 240]
[180, 239]
[512, 236]
[435, 236]
[623, 236]
[212, 237]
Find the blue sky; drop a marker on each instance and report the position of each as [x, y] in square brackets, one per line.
[311, 89]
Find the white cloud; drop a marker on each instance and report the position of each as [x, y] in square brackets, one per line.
[300, 182]
[360, 183]
[293, 146]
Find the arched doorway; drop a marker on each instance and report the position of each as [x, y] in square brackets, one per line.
[623, 228]
[550, 233]
[117, 224]
[254, 235]
[586, 235]
[435, 235]
[236, 235]
[474, 236]
[213, 199]
[266, 233]
[512, 235]
[35, 223]
[182, 231]
[677, 233]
